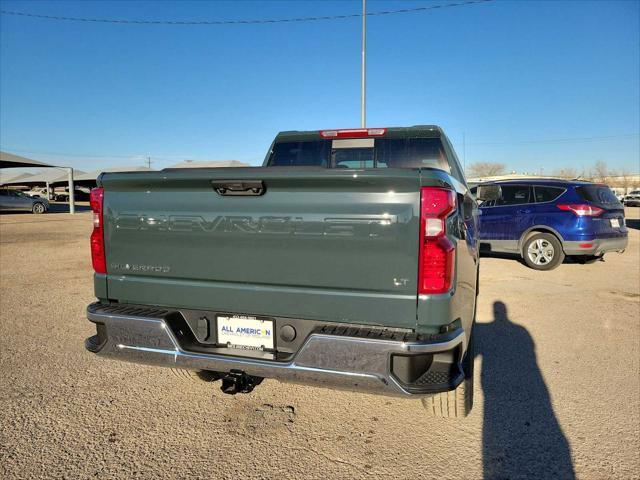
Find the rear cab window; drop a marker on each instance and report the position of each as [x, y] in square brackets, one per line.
[300, 154]
[353, 153]
[359, 153]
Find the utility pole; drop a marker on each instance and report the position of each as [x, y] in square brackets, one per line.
[149, 162]
[363, 99]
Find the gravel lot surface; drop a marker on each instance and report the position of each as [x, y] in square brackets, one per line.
[557, 386]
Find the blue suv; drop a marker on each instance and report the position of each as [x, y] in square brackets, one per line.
[544, 220]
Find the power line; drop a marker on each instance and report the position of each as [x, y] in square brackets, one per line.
[558, 140]
[239, 22]
[133, 157]
[137, 158]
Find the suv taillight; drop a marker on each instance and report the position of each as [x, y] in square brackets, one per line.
[581, 209]
[437, 253]
[98, 257]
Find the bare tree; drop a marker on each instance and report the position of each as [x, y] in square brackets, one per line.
[625, 179]
[588, 175]
[485, 169]
[600, 172]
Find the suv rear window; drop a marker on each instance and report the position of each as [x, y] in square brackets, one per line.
[597, 194]
[547, 194]
[383, 153]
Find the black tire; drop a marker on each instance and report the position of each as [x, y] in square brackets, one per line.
[38, 208]
[194, 376]
[542, 251]
[459, 402]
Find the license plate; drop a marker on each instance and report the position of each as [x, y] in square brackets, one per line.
[615, 223]
[243, 332]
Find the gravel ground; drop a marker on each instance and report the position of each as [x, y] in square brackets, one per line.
[557, 386]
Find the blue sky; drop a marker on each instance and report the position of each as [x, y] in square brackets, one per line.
[534, 85]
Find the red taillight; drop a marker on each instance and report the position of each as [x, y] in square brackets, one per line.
[353, 133]
[581, 209]
[437, 254]
[98, 257]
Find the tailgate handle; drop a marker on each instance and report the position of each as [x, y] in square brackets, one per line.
[237, 188]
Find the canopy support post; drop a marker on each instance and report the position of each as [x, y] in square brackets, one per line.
[72, 202]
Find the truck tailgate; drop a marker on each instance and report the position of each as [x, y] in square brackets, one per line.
[334, 245]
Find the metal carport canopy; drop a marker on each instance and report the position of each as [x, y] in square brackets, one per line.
[51, 176]
[11, 177]
[9, 160]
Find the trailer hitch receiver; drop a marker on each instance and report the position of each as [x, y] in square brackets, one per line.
[237, 381]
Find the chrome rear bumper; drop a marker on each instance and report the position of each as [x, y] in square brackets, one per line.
[338, 361]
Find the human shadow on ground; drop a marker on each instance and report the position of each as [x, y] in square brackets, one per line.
[521, 436]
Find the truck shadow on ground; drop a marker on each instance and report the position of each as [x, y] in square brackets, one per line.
[521, 436]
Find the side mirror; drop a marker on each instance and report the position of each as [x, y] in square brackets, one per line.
[488, 192]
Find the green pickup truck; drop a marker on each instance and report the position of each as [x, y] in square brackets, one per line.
[348, 260]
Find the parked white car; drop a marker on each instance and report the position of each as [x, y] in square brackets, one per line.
[632, 199]
[38, 192]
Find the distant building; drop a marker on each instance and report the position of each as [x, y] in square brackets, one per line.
[623, 184]
[507, 176]
[91, 177]
[210, 164]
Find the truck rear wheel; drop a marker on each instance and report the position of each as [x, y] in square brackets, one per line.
[456, 403]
